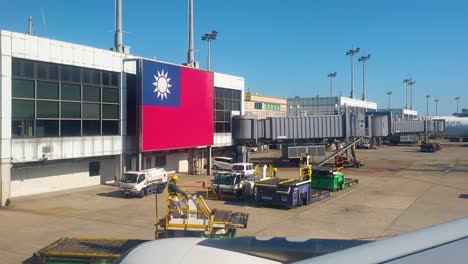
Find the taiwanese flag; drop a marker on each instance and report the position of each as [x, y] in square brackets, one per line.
[177, 109]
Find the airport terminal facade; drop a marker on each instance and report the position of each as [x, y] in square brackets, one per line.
[64, 117]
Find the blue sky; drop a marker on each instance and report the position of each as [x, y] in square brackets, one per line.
[284, 48]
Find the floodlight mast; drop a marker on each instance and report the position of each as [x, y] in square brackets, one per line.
[411, 83]
[427, 104]
[457, 99]
[331, 75]
[351, 53]
[191, 49]
[389, 95]
[208, 37]
[436, 101]
[364, 59]
[406, 81]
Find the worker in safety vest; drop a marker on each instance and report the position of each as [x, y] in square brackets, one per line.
[174, 203]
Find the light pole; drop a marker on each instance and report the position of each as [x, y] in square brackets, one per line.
[389, 95]
[411, 83]
[351, 53]
[331, 75]
[427, 104]
[457, 99]
[191, 49]
[364, 59]
[436, 101]
[406, 81]
[208, 37]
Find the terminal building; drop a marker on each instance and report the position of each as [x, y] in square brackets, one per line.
[263, 106]
[333, 105]
[70, 116]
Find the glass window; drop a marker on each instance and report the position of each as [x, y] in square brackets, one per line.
[71, 92]
[219, 127]
[110, 95]
[227, 116]
[91, 111]
[219, 116]
[227, 127]
[22, 109]
[71, 74]
[47, 109]
[71, 110]
[47, 128]
[219, 104]
[22, 68]
[22, 88]
[91, 127]
[47, 71]
[110, 127]
[110, 111]
[70, 128]
[160, 161]
[91, 77]
[149, 162]
[229, 93]
[114, 79]
[91, 93]
[47, 90]
[22, 128]
[236, 105]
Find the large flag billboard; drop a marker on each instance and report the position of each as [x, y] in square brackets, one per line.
[177, 106]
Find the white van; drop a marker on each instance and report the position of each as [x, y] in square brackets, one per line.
[222, 163]
[246, 169]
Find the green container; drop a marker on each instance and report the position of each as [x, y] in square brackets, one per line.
[332, 182]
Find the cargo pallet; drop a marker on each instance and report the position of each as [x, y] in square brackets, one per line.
[85, 250]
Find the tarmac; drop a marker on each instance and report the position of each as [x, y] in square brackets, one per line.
[400, 189]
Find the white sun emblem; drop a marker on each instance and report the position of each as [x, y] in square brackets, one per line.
[162, 85]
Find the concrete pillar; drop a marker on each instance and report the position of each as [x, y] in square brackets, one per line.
[208, 163]
[5, 179]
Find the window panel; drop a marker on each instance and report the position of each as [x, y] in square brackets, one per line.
[110, 95]
[22, 88]
[71, 92]
[227, 116]
[71, 74]
[47, 109]
[91, 77]
[22, 128]
[91, 93]
[94, 168]
[47, 90]
[91, 111]
[110, 111]
[70, 128]
[47, 128]
[106, 78]
[114, 79]
[91, 127]
[219, 105]
[22, 109]
[219, 128]
[22, 68]
[219, 116]
[227, 127]
[47, 71]
[70, 110]
[110, 127]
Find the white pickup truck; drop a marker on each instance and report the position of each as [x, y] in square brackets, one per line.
[141, 183]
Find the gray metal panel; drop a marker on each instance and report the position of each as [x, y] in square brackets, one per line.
[379, 126]
[261, 128]
[328, 126]
[414, 126]
[268, 131]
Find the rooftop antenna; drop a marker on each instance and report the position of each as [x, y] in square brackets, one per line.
[191, 56]
[30, 29]
[44, 22]
[118, 26]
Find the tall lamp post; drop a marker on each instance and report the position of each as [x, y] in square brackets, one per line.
[389, 95]
[406, 81]
[351, 53]
[364, 59]
[208, 37]
[331, 75]
[427, 104]
[411, 83]
[436, 101]
[457, 99]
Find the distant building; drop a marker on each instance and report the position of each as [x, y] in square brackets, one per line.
[402, 113]
[263, 106]
[334, 105]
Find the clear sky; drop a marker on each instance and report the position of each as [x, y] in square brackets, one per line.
[284, 48]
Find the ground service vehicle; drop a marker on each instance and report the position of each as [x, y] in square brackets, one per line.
[233, 183]
[222, 163]
[246, 169]
[141, 183]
